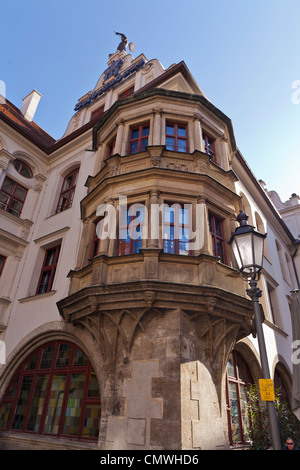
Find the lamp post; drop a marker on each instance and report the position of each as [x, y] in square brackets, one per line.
[247, 246]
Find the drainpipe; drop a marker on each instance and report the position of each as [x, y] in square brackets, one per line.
[296, 242]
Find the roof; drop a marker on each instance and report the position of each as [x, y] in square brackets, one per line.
[10, 114]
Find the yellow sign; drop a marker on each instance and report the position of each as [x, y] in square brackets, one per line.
[266, 389]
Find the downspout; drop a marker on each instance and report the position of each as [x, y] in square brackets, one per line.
[296, 242]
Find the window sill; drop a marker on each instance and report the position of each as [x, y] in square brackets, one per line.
[275, 327]
[37, 296]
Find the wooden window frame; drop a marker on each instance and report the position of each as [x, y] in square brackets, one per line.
[173, 245]
[48, 268]
[66, 203]
[140, 140]
[12, 197]
[36, 371]
[3, 258]
[131, 246]
[110, 148]
[216, 237]
[97, 113]
[209, 146]
[126, 93]
[177, 138]
[238, 381]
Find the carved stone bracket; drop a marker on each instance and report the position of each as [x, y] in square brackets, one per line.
[114, 330]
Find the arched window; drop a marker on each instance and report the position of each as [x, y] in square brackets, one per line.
[22, 168]
[67, 191]
[238, 377]
[54, 392]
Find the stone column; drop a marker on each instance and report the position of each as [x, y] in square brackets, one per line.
[153, 215]
[205, 242]
[198, 143]
[120, 135]
[157, 126]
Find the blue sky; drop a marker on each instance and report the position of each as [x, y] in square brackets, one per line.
[244, 54]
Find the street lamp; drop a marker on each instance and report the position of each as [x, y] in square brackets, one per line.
[247, 246]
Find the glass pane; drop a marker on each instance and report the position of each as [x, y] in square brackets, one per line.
[15, 207]
[31, 364]
[20, 193]
[170, 130]
[68, 182]
[145, 131]
[25, 171]
[182, 145]
[170, 142]
[233, 396]
[91, 421]
[22, 403]
[230, 366]
[44, 282]
[50, 257]
[8, 186]
[80, 359]
[134, 147]
[47, 357]
[3, 200]
[244, 408]
[73, 410]
[218, 227]
[135, 134]
[13, 388]
[181, 131]
[55, 404]
[63, 356]
[144, 144]
[37, 404]
[5, 411]
[241, 368]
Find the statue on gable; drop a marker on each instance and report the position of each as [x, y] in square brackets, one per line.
[124, 43]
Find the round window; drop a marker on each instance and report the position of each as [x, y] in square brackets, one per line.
[22, 168]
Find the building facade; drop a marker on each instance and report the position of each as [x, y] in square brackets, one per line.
[125, 322]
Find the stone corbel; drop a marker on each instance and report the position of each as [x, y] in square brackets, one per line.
[5, 159]
[39, 182]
